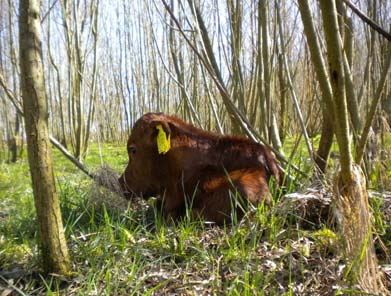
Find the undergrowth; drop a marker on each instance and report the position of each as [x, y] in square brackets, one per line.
[132, 250]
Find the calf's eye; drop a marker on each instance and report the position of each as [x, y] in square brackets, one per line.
[132, 149]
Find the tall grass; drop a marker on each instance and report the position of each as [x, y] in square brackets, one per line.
[134, 251]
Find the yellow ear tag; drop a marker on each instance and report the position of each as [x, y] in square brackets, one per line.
[163, 142]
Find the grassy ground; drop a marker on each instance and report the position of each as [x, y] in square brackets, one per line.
[128, 249]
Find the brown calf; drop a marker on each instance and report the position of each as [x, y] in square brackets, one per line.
[185, 165]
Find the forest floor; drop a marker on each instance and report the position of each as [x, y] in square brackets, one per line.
[120, 248]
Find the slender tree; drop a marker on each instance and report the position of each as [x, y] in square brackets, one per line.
[81, 108]
[53, 248]
[327, 133]
[270, 119]
[350, 192]
[13, 142]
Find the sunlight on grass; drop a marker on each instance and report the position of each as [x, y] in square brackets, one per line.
[135, 251]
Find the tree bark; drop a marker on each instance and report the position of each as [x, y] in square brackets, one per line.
[337, 79]
[353, 215]
[345, 30]
[270, 115]
[282, 126]
[327, 134]
[13, 144]
[355, 227]
[236, 18]
[53, 248]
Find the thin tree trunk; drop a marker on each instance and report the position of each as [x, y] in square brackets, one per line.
[13, 135]
[77, 98]
[372, 110]
[290, 84]
[53, 248]
[260, 70]
[177, 61]
[8, 132]
[93, 94]
[270, 115]
[337, 78]
[213, 68]
[236, 16]
[63, 137]
[327, 134]
[347, 55]
[350, 192]
[282, 127]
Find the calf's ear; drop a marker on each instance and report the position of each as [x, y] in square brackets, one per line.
[162, 136]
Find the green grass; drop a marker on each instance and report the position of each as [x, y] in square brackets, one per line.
[133, 251]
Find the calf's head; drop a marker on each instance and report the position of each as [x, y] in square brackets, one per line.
[147, 146]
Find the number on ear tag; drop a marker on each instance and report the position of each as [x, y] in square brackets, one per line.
[163, 141]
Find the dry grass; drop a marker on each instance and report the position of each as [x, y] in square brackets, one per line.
[106, 189]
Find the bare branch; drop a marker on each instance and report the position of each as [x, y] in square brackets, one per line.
[369, 21]
[53, 140]
[10, 95]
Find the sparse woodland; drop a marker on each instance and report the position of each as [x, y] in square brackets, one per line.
[309, 79]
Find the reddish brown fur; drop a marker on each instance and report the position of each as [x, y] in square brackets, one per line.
[200, 169]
